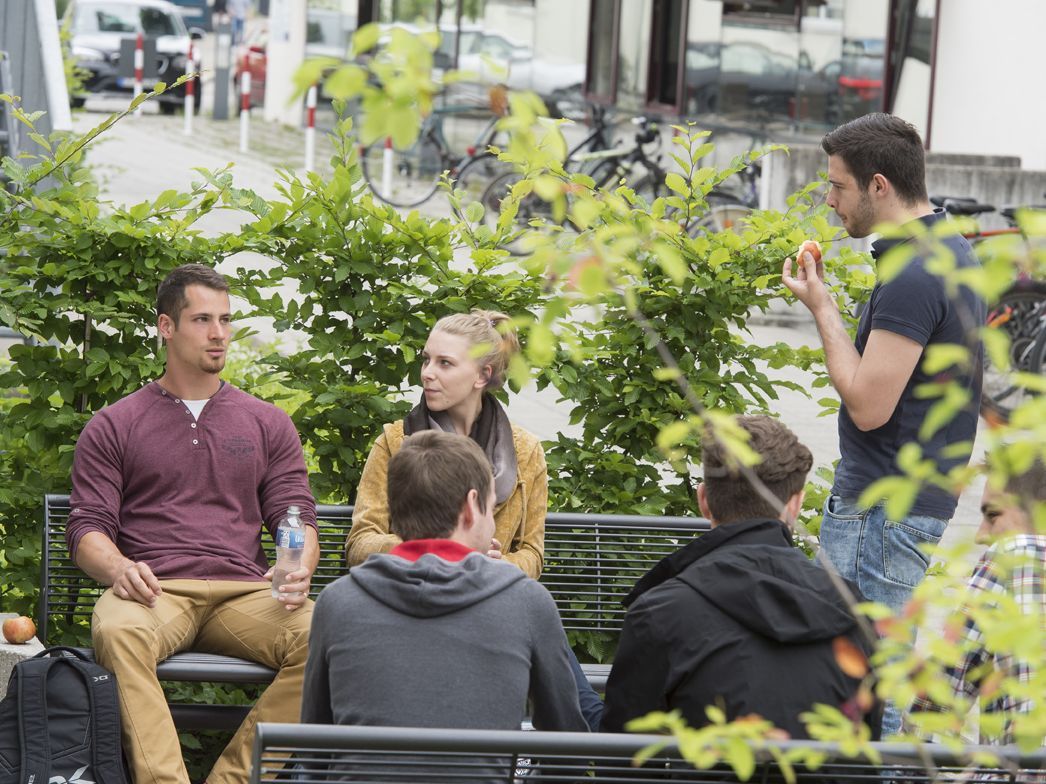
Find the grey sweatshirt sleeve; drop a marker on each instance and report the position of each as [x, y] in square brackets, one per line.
[316, 693]
[553, 691]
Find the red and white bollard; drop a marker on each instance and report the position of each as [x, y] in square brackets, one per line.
[387, 166]
[190, 92]
[139, 68]
[245, 109]
[310, 129]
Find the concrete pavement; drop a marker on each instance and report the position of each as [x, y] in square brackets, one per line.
[142, 156]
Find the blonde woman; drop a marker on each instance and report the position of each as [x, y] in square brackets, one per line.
[465, 357]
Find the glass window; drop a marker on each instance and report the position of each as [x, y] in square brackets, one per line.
[633, 56]
[744, 59]
[498, 47]
[157, 22]
[121, 18]
[783, 8]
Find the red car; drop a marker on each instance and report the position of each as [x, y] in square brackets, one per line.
[251, 57]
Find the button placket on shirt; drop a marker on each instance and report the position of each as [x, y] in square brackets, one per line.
[192, 425]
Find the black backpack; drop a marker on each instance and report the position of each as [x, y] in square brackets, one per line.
[60, 722]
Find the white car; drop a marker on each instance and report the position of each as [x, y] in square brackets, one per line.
[494, 58]
[99, 26]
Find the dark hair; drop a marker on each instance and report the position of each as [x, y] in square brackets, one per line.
[170, 297]
[882, 144]
[783, 469]
[1029, 487]
[429, 479]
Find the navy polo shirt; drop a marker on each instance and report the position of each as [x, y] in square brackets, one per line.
[915, 304]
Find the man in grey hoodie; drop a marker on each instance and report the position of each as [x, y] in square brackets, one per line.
[435, 633]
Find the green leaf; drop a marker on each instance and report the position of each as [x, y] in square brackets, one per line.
[897, 492]
[676, 183]
[365, 38]
[672, 435]
[943, 356]
[740, 757]
[474, 212]
[718, 257]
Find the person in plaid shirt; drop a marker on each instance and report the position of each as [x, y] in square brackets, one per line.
[1011, 573]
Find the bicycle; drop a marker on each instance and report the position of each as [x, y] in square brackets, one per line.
[729, 207]
[409, 178]
[1020, 311]
[733, 200]
[596, 157]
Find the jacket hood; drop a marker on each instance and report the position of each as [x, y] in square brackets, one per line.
[750, 571]
[766, 591]
[431, 586]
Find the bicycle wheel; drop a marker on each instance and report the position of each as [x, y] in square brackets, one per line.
[530, 206]
[724, 216]
[650, 186]
[404, 178]
[476, 174]
[1021, 313]
[1037, 365]
[607, 174]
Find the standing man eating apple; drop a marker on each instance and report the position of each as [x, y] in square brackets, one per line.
[876, 175]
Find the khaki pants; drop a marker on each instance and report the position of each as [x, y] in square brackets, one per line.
[222, 616]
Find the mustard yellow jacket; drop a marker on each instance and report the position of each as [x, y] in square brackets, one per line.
[519, 521]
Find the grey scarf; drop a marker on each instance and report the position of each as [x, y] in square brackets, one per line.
[491, 430]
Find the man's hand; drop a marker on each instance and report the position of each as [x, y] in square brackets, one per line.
[295, 589]
[136, 582]
[808, 282]
[495, 549]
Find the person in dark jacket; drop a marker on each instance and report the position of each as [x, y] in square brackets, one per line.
[738, 618]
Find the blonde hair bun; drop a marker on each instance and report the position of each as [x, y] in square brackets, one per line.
[490, 329]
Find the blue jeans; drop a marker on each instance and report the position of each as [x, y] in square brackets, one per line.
[591, 705]
[885, 558]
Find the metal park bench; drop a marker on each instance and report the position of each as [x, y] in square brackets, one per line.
[67, 597]
[322, 753]
[591, 563]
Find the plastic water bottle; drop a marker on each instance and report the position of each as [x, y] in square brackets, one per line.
[290, 542]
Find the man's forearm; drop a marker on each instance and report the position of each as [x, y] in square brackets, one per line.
[840, 355]
[99, 558]
[311, 557]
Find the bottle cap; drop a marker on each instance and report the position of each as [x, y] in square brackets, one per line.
[292, 516]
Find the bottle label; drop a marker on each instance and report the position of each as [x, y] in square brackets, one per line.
[293, 538]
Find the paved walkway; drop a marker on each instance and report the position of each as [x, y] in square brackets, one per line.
[142, 156]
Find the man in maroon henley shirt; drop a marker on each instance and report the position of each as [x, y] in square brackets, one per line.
[171, 488]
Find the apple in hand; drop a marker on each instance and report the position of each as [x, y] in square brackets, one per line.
[19, 630]
[809, 246]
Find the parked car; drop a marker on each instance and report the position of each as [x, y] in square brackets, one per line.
[733, 77]
[861, 76]
[492, 57]
[327, 34]
[99, 26]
